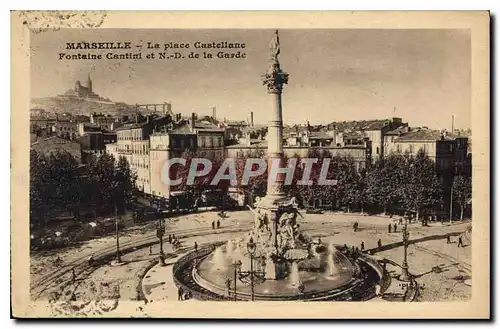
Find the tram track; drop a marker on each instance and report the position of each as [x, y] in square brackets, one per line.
[449, 258]
[80, 265]
[40, 285]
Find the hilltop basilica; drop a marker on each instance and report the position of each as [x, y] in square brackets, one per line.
[82, 91]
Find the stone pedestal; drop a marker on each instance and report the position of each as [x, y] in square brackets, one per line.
[276, 267]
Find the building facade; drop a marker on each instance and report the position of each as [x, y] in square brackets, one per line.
[67, 129]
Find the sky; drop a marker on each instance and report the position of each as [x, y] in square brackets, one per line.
[422, 76]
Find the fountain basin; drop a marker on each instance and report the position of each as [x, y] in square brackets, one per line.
[355, 280]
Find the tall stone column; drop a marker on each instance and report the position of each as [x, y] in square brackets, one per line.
[274, 79]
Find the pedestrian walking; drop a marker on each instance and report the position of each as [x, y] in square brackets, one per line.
[180, 293]
[395, 228]
[460, 242]
[213, 225]
[448, 240]
[170, 238]
[362, 245]
[218, 223]
[400, 220]
[389, 228]
[173, 237]
[195, 246]
[379, 243]
[73, 275]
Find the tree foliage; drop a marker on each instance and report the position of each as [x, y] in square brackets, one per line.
[59, 184]
[462, 192]
[422, 189]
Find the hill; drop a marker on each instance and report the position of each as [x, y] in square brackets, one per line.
[75, 105]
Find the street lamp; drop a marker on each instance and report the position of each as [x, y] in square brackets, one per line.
[451, 202]
[301, 288]
[237, 269]
[252, 275]
[118, 258]
[160, 232]
[405, 275]
[228, 285]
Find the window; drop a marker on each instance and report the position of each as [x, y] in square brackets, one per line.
[378, 150]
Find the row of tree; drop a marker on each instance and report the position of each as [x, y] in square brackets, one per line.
[58, 184]
[399, 181]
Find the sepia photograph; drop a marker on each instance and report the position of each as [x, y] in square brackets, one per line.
[174, 169]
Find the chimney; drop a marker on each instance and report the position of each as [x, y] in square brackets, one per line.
[193, 118]
[251, 119]
[214, 112]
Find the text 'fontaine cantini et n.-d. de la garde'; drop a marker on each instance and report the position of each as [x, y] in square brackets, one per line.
[152, 50]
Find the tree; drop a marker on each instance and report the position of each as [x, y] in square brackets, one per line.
[422, 188]
[108, 183]
[361, 190]
[101, 177]
[462, 192]
[41, 187]
[384, 182]
[347, 182]
[256, 185]
[124, 183]
[316, 191]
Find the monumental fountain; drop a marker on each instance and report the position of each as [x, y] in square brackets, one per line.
[275, 261]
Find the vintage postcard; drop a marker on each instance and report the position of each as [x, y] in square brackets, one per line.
[250, 164]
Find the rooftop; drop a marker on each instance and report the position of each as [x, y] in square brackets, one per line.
[398, 131]
[131, 126]
[423, 134]
[360, 125]
[319, 135]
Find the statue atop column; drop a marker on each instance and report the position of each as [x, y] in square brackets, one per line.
[275, 78]
[274, 46]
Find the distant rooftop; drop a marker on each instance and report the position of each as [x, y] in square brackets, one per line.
[424, 134]
[319, 135]
[361, 125]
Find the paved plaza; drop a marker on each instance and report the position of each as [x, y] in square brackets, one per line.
[442, 269]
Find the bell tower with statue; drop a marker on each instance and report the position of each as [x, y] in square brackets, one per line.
[276, 230]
